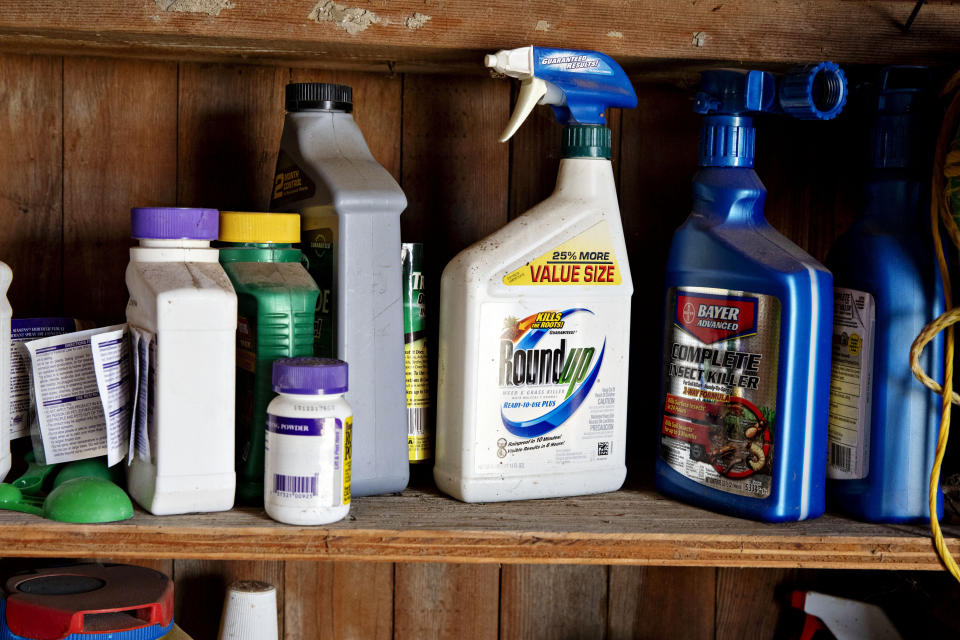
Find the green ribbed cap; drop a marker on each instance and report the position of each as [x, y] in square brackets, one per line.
[586, 141]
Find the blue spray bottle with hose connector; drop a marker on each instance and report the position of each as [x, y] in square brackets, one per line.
[746, 356]
[535, 318]
[883, 422]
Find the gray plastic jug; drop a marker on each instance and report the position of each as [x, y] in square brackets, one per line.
[350, 214]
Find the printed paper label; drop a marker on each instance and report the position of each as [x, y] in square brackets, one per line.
[81, 388]
[308, 461]
[22, 330]
[851, 384]
[290, 183]
[557, 387]
[318, 242]
[586, 259]
[720, 388]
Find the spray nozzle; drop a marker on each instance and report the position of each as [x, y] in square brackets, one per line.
[728, 97]
[579, 85]
[813, 92]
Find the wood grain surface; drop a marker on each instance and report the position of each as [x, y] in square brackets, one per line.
[230, 121]
[661, 602]
[338, 600]
[455, 174]
[120, 151]
[446, 601]
[626, 527]
[559, 602]
[750, 603]
[413, 34]
[202, 585]
[31, 182]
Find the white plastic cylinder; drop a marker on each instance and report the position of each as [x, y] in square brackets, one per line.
[6, 275]
[249, 612]
[323, 454]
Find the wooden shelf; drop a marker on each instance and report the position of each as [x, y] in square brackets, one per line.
[405, 35]
[629, 527]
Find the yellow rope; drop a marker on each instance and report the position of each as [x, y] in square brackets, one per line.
[940, 212]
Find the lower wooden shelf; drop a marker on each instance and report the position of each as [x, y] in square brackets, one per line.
[632, 527]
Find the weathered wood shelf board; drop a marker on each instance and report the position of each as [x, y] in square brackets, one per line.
[635, 527]
[408, 35]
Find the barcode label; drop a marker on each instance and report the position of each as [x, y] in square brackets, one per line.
[416, 421]
[302, 485]
[840, 456]
[603, 448]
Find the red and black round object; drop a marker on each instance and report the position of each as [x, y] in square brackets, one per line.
[51, 604]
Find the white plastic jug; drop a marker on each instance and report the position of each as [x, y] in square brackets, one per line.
[183, 313]
[6, 275]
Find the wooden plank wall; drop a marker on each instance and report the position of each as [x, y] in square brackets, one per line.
[82, 140]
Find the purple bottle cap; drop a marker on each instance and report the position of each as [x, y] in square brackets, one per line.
[174, 223]
[309, 376]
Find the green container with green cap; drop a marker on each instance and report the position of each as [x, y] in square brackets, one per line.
[276, 299]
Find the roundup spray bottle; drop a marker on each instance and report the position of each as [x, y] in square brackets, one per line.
[535, 319]
[883, 422]
[743, 411]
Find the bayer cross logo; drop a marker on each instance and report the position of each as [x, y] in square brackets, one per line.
[688, 313]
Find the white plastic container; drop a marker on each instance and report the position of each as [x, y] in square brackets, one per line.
[306, 476]
[184, 311]
[535, 318]
[350, 208]
[6, 275]
[478, 458]
[249, 612]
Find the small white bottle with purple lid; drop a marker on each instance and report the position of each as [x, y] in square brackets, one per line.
[182, 314]
[307, 463]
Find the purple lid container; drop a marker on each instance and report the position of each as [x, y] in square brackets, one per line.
[309, 376]
[174, 223]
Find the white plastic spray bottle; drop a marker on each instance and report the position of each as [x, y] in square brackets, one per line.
[535, 319]
[6, 275]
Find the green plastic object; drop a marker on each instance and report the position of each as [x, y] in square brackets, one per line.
[586, 141]
[87, 501]
[88, 468]
[32, 480]
[12, 499]
[276, 300]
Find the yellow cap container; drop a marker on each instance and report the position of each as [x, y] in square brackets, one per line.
[245, 226]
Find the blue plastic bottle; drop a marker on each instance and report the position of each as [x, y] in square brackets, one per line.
[743, 412]
[882, 444]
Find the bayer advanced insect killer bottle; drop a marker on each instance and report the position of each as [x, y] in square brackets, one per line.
[742, 422]
[535, 319]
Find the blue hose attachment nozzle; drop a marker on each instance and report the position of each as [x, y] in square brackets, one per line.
[727, 97]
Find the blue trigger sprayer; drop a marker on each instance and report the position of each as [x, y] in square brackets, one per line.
[746, 355]
[535, 318]
[579, 85]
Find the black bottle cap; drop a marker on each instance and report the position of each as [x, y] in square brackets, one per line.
[324, 96]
